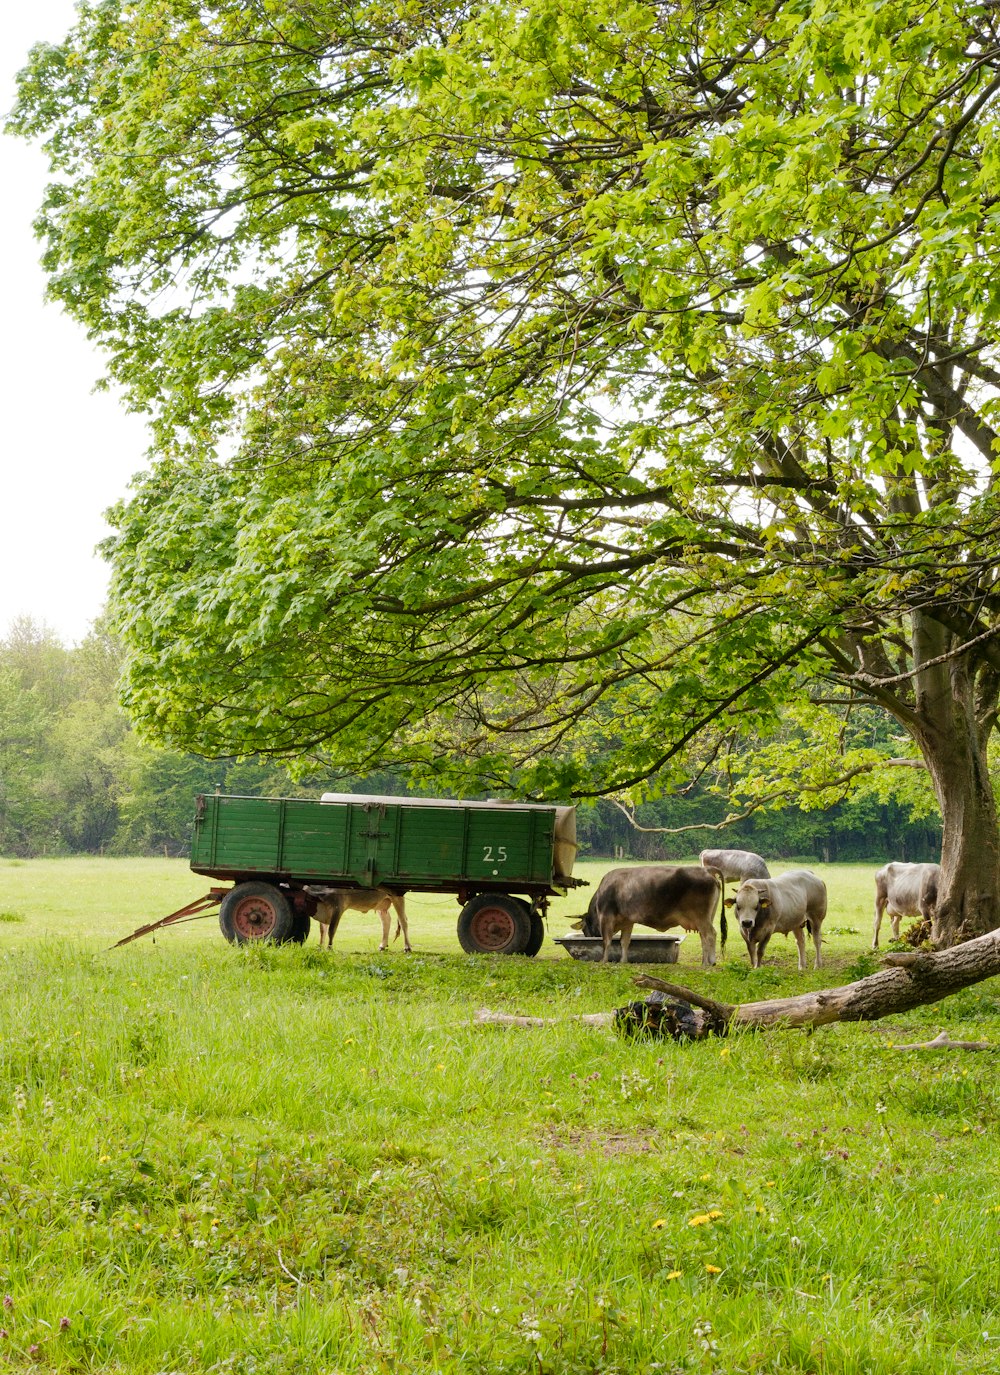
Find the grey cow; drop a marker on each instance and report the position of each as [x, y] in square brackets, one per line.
[905, 890]
[791, 904]
[659, 896]
[734, 864]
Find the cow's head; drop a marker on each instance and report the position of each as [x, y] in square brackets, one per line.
[589, 923]
[751, 905]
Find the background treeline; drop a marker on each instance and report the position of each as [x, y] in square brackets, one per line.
[75, 779]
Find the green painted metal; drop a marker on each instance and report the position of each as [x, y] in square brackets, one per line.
[358, 841]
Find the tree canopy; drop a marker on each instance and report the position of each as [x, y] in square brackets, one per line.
[530, 376]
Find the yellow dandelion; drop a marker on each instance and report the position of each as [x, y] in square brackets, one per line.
[699, 1220]
[675, 1274]
[705, 1178]
[660, 1222]
[440, 1066]
[714, 1213]
[713, 1269]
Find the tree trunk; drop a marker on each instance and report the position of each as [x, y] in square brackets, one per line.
[909, 981]
[954, 747]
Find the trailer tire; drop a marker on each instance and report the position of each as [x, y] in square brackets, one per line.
[537, 933]
[494, 924]
[257, 911]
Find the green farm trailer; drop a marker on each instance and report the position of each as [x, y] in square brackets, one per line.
[501, 860]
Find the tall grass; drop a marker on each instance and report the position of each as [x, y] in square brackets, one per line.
[276, 1160]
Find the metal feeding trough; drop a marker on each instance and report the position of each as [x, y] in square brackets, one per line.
[641, 949]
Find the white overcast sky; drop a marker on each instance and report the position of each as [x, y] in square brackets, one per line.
[66, 452]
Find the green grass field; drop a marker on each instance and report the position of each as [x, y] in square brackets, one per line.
[277, 1160]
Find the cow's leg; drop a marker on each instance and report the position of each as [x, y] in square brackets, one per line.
[800, 941]
[626, 937]
[400, 905]
[707, 933]
[383, 915]
[818, 941]
[323, 917]
[761, 947]
[331, 930]
[879, 910]
[894, 920]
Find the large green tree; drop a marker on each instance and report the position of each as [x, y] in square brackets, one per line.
[529, 374]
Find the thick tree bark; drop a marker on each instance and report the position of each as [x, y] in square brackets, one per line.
[909, 981]
[953, 741]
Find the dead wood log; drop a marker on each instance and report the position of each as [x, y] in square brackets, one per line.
[908, 981]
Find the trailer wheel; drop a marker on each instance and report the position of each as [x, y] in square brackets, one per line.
[537, 933]
[256, 912]
[494, 924]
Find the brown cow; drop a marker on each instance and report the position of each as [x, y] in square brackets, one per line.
[333, 903]
[659, 896]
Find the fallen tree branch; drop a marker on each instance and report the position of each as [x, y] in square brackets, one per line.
[484, 1017]
[942, 1041]
[724, 1011]
[908, 981]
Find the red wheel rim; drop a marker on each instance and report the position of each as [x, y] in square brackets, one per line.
[254, 918]
[492, 928]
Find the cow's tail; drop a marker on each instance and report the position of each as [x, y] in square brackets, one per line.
[723, 925]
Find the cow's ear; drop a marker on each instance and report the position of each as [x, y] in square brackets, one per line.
[729, 902]
[576, 926]
[764, 903]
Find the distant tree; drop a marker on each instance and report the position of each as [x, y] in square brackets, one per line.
[577, 366]
[24, 810]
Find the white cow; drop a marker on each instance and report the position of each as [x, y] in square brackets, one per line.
[333, 903]
[793, 903]
[905, 890]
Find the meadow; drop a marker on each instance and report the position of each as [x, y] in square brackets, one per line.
[278, 1160]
